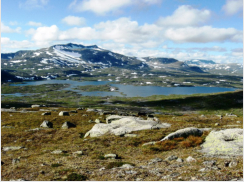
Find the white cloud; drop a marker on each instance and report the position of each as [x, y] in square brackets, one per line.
[36, 24]
[124, 30]
[13, 23]
[32, 4]
[105, 6]
[74, 20]
[185, 16]
[98, 6]
[203, 34]
[44, 35]
[7, 29]
[13, 44]
[233, 6]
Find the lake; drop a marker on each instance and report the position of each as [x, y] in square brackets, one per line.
[127, 90]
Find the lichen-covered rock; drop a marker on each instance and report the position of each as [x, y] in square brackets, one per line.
[183, 133]
[224, 142]
[122, 126]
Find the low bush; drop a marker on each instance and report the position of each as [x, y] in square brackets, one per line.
[76, 177]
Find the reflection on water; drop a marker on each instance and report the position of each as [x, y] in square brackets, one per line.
[128, 90]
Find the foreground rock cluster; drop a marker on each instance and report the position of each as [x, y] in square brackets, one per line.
[96, 145]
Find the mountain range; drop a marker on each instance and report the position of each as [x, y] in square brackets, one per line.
[73, 58]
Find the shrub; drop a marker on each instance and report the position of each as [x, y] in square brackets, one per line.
[191, 141]
[56, 165]
[76, 177]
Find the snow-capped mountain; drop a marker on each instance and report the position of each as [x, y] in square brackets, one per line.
[216, 68]
[83, 58]
[71, 55]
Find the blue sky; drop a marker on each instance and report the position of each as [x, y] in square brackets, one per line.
[181, 29]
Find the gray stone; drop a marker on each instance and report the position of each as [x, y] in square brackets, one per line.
[35, 129]
[8, 127]
[67, 125]
[64, 113]
[183, 133]
[17, 179]
[122, 126]
[90, 121]
[15, 161]
[238, 122]
[155, 160]
[34, 106]
[233, 164]
[46, 124]
[97, 121]
[78, 152]
[12, 148]
[58, 152]
[149, 143]
[111, 118]
[190, 159]
[91, 110]
[209, 163]
[112, 156]
[127, 166]
[228, 142]
[46, 113]
[171, 158]
[179, 160]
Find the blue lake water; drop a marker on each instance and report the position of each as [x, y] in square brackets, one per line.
[128, 90]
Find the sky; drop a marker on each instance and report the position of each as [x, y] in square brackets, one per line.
[180, 29]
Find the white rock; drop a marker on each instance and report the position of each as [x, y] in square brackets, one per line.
[190, 159]
[12, 148]
[183, 133]
[224, 142]
[122, 126]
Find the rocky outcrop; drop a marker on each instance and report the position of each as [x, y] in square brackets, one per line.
[183, 133]
[227, 142]
[121, 125]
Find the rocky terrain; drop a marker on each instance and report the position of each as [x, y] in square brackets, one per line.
[99, 144]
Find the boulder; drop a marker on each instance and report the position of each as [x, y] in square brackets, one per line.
[67, 125]
[228, 142]
[111, 156]
[12, 148]
[183, 133]
[64, 113]
[111, 118]
[78, 153]
[97, 121]
[58, 152]
[33, 106]
[46, 124]
[190, 159]
[46, 113]
[122, 126]
[91, 110]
